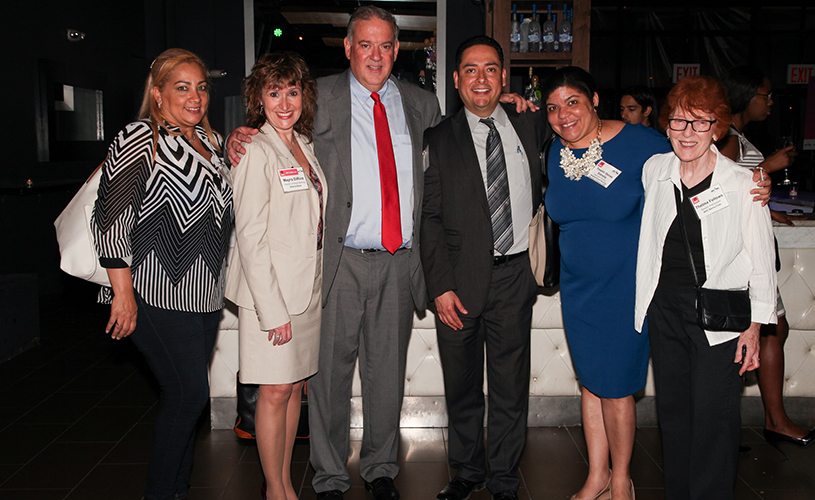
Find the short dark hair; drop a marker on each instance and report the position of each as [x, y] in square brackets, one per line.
[644, 98]
[368, 12]
[742, 83]
[479, 40]
[570, 76]
[279, 70]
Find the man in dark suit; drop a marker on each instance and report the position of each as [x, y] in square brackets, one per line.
[372, 278]
[482, 186]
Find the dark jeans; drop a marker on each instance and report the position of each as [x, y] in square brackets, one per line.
[177, 346]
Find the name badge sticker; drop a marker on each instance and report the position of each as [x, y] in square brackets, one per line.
[604, 173]
[292, 179]
[709, 201]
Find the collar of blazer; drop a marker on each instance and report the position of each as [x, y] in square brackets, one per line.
[282, 150]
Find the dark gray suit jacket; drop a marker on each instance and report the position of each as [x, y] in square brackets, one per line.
[332, 145]
[457, 241]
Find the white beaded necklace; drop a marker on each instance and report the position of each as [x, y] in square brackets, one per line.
[574, 168]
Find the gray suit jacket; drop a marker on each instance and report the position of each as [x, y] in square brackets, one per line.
[332, 145]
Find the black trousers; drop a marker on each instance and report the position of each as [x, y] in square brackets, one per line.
[698, 391]
[504, 326]
[177, 346]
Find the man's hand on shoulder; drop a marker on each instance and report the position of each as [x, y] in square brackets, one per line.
[446, 306]
[520, 103]
[235, 142]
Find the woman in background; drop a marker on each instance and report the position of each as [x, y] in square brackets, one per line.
[161, 224]
[276, 277]
[697, 372]
[750, 97]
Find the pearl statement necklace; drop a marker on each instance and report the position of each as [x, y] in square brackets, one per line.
[574, 168]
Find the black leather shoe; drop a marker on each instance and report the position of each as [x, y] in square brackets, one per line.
[459, 489]
[382, 488]
[773, 437]
[505, 495]
[330, 495]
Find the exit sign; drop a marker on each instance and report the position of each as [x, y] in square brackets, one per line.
[683, 70]
[800, 73]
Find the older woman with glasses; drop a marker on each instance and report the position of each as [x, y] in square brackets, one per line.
[700, 226]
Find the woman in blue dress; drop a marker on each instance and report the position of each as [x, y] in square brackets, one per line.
[599, 211]
[595, 194]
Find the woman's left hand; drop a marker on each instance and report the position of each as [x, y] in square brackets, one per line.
[748, 346]
[280, 335]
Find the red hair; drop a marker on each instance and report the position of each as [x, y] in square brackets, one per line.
[697, 94]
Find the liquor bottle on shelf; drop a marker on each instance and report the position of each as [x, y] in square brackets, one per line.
[534, 31]
[549, 32]
[524, 46]
[565, 30]
[531, 91]
[515, 32]
[556, 42]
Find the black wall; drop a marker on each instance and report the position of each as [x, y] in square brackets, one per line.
[122, 39]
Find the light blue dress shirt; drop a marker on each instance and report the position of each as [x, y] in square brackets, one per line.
[365, 227]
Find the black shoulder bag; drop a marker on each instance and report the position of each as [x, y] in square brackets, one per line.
[716, 310]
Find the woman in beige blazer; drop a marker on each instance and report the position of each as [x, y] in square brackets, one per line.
[276, 273]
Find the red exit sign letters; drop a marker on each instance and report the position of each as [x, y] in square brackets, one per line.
[800, 73]
[683, 70]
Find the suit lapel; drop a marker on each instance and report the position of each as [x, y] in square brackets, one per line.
[470, 168]
[339, 111]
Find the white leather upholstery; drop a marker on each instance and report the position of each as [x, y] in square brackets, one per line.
[552, 373]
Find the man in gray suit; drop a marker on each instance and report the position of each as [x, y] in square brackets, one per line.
[370, 286]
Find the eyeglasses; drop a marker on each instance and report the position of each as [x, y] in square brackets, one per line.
[678, 124]
[769, 96]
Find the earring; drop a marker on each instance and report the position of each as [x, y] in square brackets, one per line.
[159, 105]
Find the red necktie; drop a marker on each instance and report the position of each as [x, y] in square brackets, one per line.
[391, 221]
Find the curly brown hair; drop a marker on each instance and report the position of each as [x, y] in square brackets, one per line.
[279, 70]
[699, 93]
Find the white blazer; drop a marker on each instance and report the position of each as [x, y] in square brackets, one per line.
[737, 240]
[274, 263]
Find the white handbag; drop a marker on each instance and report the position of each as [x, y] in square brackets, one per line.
[77, 252]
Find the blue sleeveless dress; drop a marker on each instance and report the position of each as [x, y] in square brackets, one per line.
[600, 230]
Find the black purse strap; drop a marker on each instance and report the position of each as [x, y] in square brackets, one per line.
[685, 236]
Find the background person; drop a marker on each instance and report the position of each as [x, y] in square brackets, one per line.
[598, 244]
[639, 106]
[697, 372]
[481, 189]
[276, 270]
[164, 246]
[750, 98]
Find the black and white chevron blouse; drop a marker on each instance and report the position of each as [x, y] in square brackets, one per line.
[170, 221]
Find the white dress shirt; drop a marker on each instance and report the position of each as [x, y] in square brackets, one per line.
[365, 226]
[518, 175]
[737, 240]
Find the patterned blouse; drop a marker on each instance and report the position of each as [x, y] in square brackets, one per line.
[169, 220]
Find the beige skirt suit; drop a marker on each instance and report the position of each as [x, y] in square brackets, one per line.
[275, 275]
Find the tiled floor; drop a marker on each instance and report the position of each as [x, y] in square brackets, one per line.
[76, 421]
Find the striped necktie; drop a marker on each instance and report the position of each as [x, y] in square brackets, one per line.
[498, 190]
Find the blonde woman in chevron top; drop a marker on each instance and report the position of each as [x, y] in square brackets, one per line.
[161, 225]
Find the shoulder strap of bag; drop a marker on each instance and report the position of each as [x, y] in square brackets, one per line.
[685, 236]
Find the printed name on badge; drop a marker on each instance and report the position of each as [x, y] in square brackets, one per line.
[292, 179]
[709, 201]
[604, 173]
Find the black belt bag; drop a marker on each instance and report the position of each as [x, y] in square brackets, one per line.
[716, 310]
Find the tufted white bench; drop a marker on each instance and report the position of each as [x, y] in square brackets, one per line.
[554, 388]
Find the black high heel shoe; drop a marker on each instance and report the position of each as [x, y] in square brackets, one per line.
[775, 438]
